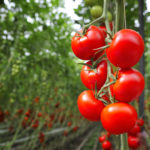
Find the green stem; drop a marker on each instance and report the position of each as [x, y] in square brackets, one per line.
[124, 142]
[100, 19]
[120, 15]
[106, 16]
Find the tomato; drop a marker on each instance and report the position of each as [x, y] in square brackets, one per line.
[102, 138]
[91, 2]
[106, 145]
[83, 46]
[126, 48]
[89, 106]
[109, 16]
[96, 11]
[75, 128]
[118, 118]
[133, 142]
[140, 122]
[108, 134]
[91, 78]
[135, 130]
[103, 29]
[129, 85]
[69, 124]
[39, 114]
[41, 137]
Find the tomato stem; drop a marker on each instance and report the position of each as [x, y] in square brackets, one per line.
[102, 18]
[124, 142]
[120, 22]
[106, 17]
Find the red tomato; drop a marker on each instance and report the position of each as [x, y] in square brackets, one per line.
[135, 130]
[133, 142]
[140, 122]
[118, 118]
[39, 114]
[129, 85]
[2, 116]
[126, 48]
[102, 138]
[90, 78]
[41, 137]
[89, 106]
[83, 46]
[103, 29]
[69, 124]
[108, 134]
[75, 128]
[106, 145]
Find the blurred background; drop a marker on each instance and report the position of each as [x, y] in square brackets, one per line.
[40, 76]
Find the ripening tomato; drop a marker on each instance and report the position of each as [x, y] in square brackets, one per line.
[140, 122]
[135, 130]
[94, 78]
[126, 48]
[83, 46]
[102, 138]
[133, 142]
[129, 85]
[89, 106]
[96, 11]
[106, 145]
[118, 118]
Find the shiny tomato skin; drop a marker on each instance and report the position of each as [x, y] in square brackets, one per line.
[91, 78]
[106, 145]
[135, 130]
[118, 118]
[83, 46]
[133, 142]
[126, 48]
[89, 106]
[129, 85]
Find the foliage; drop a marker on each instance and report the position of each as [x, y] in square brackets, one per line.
[33, 59]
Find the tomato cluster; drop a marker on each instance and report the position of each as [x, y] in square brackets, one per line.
[106, 144]
[110, 78]
[134, 140]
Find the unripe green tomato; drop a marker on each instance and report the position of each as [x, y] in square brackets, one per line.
[109, 16]
[96, 11]
[91, 2]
